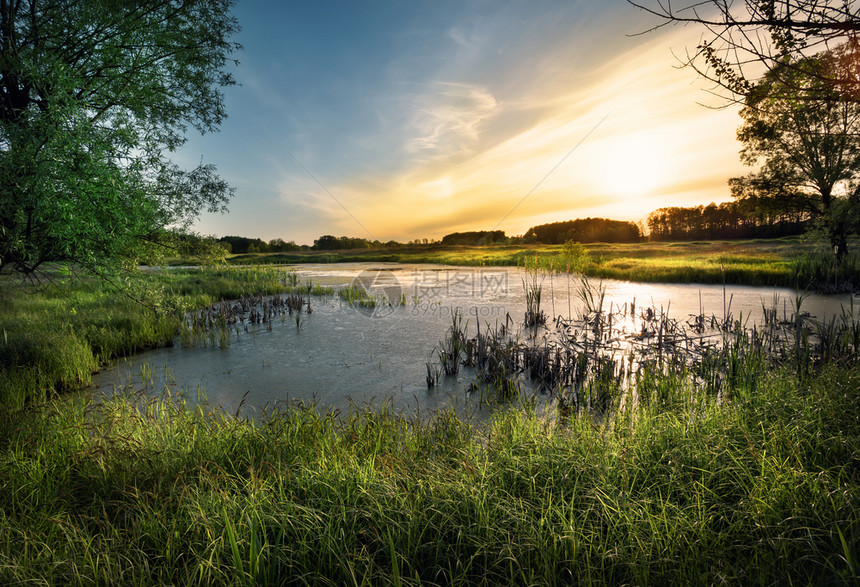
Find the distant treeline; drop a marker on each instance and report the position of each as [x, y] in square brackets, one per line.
[739, 219]
[475, 237]
[585, 230]
[239, 245]
[328, 242]
[723, 221]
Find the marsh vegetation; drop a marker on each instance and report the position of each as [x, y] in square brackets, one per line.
[678, 450]
[611, 356]
[56, 334]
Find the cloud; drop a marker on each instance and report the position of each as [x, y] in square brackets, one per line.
[464, 38]
[448, 119]
[655, 146]
[468, 118]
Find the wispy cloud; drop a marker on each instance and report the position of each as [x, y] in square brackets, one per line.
[445, 119]
[448, 118]
[658, 146]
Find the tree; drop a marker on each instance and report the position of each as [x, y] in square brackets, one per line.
[747, 39]
[586, 230]
[809, 149]
[279, 245]
[746, 218]
[94, 95]
[326, 242]
[474, 237]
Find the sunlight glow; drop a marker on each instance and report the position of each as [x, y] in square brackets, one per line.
[651, 146]
[632, 167]
[578, 129]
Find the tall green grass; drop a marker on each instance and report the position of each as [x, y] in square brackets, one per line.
[760, 491]
[53, 338]
[820, 271]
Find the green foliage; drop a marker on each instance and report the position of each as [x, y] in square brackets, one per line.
[809, 149]
[474, 237]
[574, 257]
[278, 245]
[329, 243]
[820, 271]
[586, 230]
[51, 341]
[94, 96]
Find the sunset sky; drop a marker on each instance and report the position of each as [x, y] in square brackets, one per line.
[402, 120]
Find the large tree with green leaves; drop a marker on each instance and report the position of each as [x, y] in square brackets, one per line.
[805, 138]
[94, 96]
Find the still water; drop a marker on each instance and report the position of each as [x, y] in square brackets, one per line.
[341, 355]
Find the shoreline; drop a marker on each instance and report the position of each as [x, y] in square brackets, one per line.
[785, 262]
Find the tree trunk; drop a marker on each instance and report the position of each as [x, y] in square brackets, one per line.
[839, 242]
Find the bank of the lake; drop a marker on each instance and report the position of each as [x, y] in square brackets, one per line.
[57, 333]
[785, 262]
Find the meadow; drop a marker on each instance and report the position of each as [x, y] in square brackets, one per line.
[787, 262]
[687, 485]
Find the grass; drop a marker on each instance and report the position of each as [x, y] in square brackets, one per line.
[684, 486]
[788, 262]
[763, 491]
[53, 339]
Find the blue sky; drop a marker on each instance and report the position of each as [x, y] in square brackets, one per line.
[414, 119]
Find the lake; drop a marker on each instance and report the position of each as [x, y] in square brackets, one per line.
[343, 354]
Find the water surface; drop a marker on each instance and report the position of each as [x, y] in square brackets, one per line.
[341, 355]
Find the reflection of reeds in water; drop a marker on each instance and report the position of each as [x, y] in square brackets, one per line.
[215, 323]
[533, 289]
[607, 359]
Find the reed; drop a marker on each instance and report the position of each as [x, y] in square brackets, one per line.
[433, 375]
[820, 271]
[533, 288]
[609, 359]
[498, 360]
[356, 295]
[452, 347]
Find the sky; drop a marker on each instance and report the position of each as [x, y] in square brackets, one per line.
[388, 119]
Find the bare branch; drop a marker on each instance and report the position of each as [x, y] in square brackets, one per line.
[748, 39]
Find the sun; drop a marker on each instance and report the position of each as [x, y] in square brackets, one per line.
[632, 167]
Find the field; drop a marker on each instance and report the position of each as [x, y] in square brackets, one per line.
[758, 485]
[788, 262]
